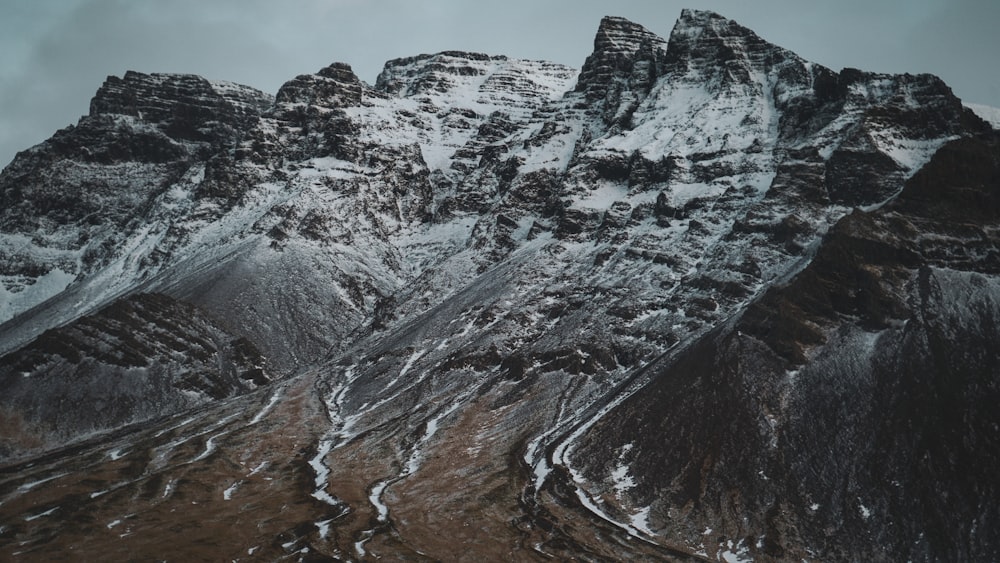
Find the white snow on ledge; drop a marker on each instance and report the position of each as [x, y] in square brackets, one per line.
[42, 288]
[989, 114]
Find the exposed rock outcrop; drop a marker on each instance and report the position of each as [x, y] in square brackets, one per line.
[138, 359]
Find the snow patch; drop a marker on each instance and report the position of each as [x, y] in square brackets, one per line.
[228, 493]
[865, 512]
[359, 546]
[382, 513]
[602, 198]
[209, 447]
[267, 408]
[323, 526]
[40, 514]
[736, 552]
[989, 114]
[413, 464]
[555, 154]
[640, 521]
[185, 422]
[622, 481]
[25, 487]
[416, 355]
[322, 471]
[911, 154]
[375, 497]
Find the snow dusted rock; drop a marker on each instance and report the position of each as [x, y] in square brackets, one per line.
[507, 274]
[859, 352]
[624, 65]
[79, 201]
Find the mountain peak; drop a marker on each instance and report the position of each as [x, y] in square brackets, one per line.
[339, 71]
[152, 96]
[692, 23]
[475, 80]
[628, 58]
[333, 86]
[181, 103]
[705, 42]
[702, 18]
[622, 35]
[695, 26]
[618, 46]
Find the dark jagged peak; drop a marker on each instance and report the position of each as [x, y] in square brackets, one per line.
[154, 119]
[709, 48]
[332, 87]
[704, 49]
[872, 129]
[182, 104]
[622, 50]
[704, 42]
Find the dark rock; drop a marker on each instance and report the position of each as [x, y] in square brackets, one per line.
[335, 86]
[183, 106]
[138, 359]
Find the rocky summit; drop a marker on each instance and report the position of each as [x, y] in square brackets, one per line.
[699, 300]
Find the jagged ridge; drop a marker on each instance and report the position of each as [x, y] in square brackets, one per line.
[473, 247]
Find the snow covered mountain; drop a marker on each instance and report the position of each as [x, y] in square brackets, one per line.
[701, 299]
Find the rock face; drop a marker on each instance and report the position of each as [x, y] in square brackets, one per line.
[81, 201]
[185, 107]
[136, 359]
[702, 294]
[859, 353]
[626, 60]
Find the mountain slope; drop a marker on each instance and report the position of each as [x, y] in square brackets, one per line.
[587, 297]
[138, 358]
[882, 350]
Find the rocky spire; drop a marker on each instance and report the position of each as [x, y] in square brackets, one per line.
[333, 86]
[622, 50]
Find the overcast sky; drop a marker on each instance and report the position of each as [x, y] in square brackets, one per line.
[54, 54]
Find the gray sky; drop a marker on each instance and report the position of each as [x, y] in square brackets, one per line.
[54, 54]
